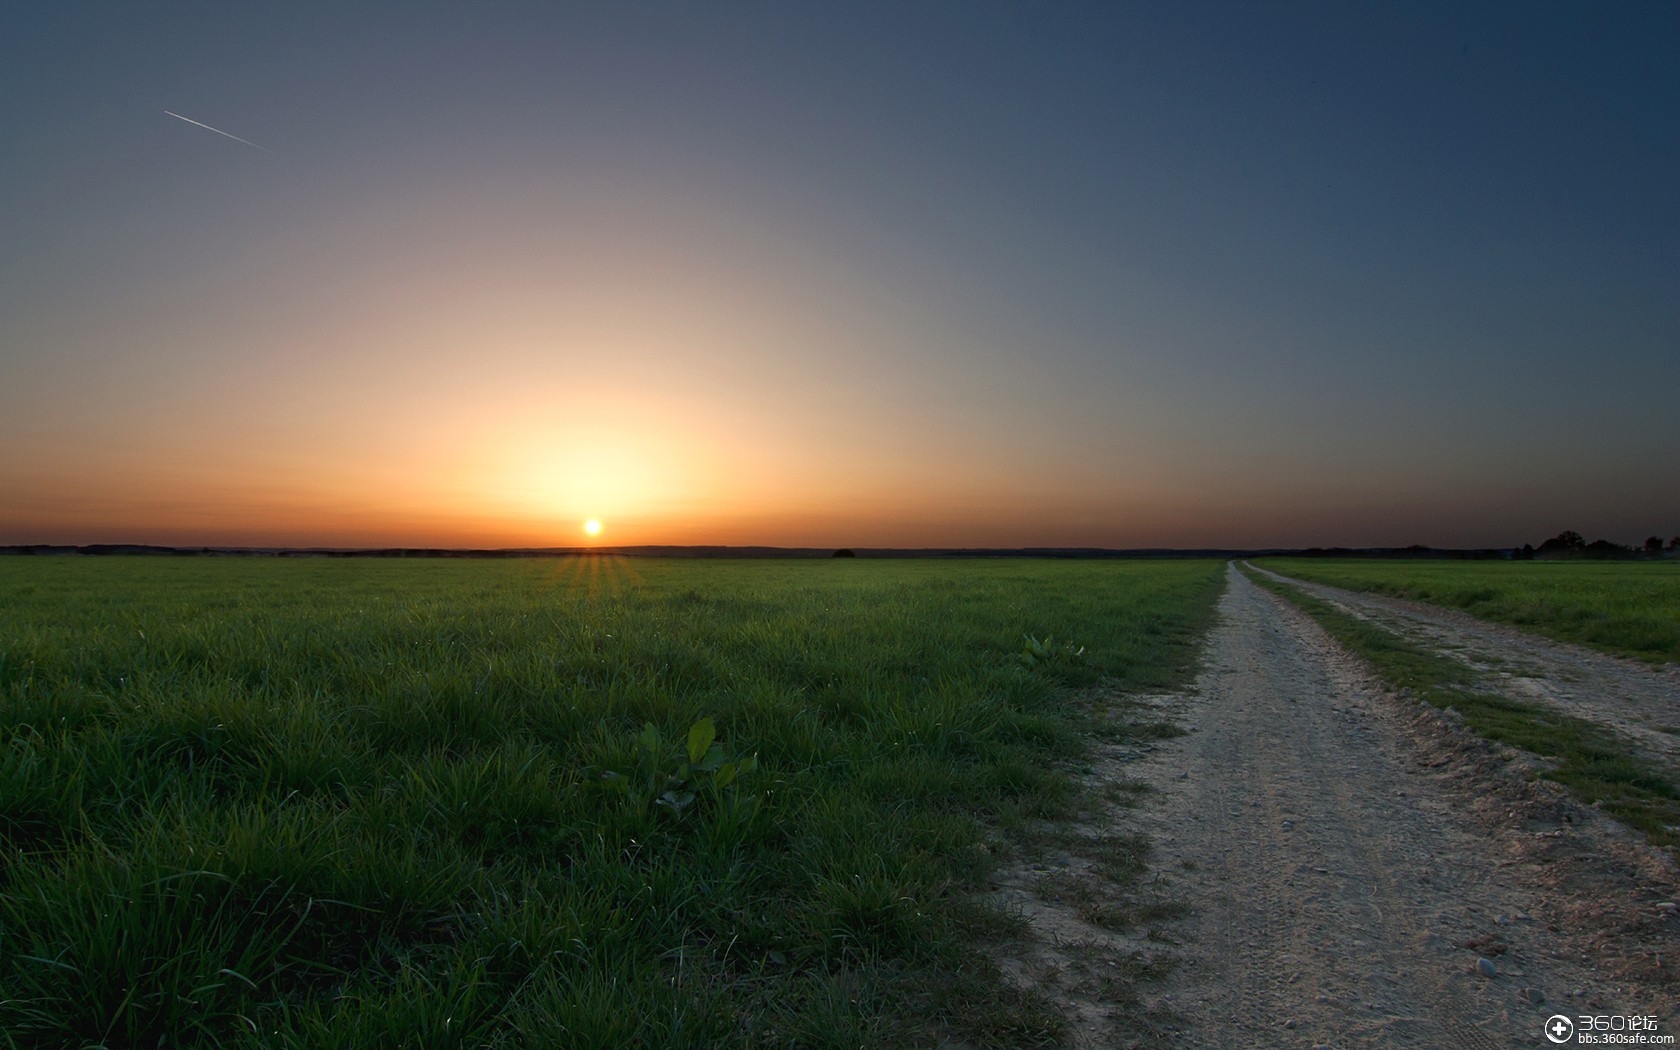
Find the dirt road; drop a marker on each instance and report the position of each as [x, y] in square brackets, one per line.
[1358, 870]
[1637, 700]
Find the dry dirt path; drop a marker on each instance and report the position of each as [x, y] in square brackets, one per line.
[1348, 858]
[1638, 700]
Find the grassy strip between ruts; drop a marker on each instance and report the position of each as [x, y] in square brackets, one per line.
[586, 802]
[1628, 608]
[1588, 758]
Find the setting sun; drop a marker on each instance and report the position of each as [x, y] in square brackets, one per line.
[592, 527]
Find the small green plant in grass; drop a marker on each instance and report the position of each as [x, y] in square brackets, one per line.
[1046, 653]
[700, 772]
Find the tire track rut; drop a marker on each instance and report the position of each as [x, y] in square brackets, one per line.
[1640, 701]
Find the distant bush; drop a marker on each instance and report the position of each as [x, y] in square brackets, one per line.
[1566, 542]
[845, 552]
[1570, 544]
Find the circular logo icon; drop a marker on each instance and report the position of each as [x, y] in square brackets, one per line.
[1559, 1029]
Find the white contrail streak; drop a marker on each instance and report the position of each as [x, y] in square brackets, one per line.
[218, 131]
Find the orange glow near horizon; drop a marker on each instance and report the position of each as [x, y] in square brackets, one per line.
[497, 460]
[764, 395]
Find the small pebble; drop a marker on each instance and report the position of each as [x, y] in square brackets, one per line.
[1668, 906]
[1486, 968]
[1534, 995]
[1289, 1023]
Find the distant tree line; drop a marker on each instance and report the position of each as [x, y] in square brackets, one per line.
[1571, 544]
[1566, 544]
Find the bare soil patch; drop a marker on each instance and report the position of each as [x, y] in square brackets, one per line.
[1334, 865]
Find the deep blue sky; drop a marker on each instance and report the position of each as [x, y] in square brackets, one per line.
[944, 273]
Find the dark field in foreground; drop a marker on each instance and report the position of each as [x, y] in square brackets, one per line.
[1630, 608]
[440, 804]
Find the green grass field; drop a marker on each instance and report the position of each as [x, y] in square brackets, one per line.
[577, 802]
[1630, 608]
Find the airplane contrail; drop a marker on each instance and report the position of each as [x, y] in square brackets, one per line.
[219, 131]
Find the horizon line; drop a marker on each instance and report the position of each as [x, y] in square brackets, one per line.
[700, 549]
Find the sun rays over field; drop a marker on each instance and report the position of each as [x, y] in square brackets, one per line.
[593, 575]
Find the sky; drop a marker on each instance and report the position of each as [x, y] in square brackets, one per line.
[922, 274]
